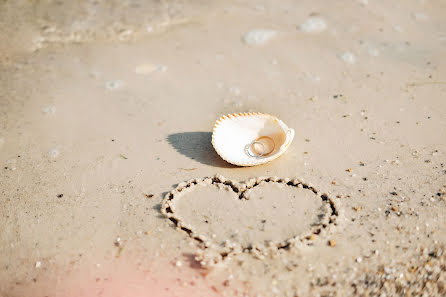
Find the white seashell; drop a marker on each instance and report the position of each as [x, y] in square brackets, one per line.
[249, 139]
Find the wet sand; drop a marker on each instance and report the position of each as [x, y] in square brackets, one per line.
[107, 107]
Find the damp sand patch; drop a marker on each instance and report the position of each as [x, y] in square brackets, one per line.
[261, 216]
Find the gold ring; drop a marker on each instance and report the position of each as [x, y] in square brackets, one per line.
[266, 137]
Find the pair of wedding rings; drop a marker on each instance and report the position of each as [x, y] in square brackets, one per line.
[266, 145]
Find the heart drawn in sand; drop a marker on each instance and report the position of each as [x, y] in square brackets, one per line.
[260, 214]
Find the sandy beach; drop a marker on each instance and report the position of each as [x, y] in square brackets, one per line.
[110, 186]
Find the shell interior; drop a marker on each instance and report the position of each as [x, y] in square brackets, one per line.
[248, 139]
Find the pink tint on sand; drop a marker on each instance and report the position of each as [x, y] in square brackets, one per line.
[137, 284]
[120, 279]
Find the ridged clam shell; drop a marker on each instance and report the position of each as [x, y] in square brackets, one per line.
[234, 132]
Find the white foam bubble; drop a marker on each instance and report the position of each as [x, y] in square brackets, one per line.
[162, 68]
[235, 91]
[313, 25]
[374, 52]
[113, 84]
[313, 77]
[419, 16]
[149, 68]
[49, 109]
[348, 57]
[259, 36]
[53, 153]
[146, 68]
[398, 28]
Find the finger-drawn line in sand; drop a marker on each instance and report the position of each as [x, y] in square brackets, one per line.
[211, 254]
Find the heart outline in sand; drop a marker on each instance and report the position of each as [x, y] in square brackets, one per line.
[328, 219]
